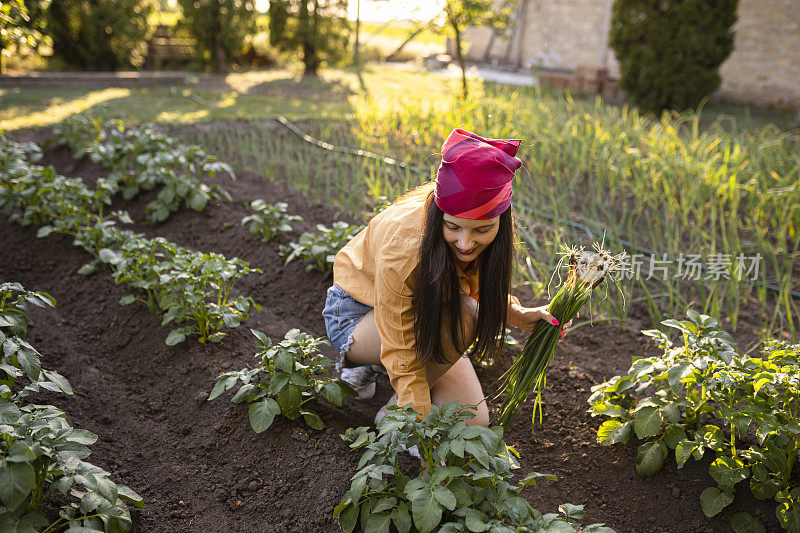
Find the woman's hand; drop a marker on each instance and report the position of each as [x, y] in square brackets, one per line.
[527, 317]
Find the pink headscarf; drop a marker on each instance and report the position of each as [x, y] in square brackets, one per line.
[474, 179]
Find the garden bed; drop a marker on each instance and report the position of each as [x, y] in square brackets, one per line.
[200, 466]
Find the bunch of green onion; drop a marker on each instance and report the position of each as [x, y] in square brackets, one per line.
[586, 271]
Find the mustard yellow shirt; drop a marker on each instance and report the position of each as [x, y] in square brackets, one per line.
[378, 268]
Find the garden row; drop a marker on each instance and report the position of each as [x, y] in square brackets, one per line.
[704, 397]
[477, 494]
[40, 453]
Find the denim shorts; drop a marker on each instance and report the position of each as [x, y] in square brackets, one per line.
[342, 314]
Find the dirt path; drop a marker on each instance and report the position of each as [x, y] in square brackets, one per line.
[199, 465]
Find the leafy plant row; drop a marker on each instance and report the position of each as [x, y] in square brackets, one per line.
[704, 397]
[141, 159]
[40, 453]
[191, 289]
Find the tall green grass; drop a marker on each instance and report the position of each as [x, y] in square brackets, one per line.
[665, 185]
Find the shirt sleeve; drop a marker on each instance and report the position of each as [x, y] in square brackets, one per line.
[395, 320]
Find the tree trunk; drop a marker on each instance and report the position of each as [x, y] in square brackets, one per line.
[356, 58]
[403, 45]
[220, 56]
[308, 33]
[219, 60]
[460, 56]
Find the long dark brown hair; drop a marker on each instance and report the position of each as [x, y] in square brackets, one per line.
[437, 290]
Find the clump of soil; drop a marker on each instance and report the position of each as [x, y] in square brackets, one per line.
[199, 465]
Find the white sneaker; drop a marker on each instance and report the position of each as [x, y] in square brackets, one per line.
[383, 411]
[362, 379]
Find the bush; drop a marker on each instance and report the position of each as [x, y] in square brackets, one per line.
[669, 52]
[99, 35]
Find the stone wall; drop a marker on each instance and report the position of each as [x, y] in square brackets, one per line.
[565, 35]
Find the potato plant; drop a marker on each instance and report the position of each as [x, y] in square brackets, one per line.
[289, 374]
[18, 358]
[81, 132]
[465, 484]
[40, 453]
[141, 159]
[267, 220]
[320, 249]
[704, 397]
[186, 286]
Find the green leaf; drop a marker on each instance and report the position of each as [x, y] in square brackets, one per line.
[27, 523]
[127, 299]
[728, 471]
[426, 511]
[106, 255]
[650, 457]
[674, 435]
[788, 512]
[683, 451]
[378, 522]
[648, 422]
[17, 480]
[445, 497]
[262, 414]
[384, 504]
[476, 521]
[332, 392]
[87, 269]
[219, 388]
[401, 518]
[197, 202]
[533, 477]
[714, 500]
[614, 431]
[765, 487]
[244, 393]
[130, 495]
[284, 362]
[9, 413]
[676, 373]
[289, 399]
[313, 420]
[176, 336]
[746, 523]
[349, 517]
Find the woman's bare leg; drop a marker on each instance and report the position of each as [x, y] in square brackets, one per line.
[454, 380]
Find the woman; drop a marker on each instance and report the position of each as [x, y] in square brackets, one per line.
[406, 289]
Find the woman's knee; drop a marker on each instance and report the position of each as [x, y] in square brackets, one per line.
[481, 416]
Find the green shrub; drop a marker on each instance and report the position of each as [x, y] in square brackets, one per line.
[669, 52]
[705, 398]
[267, 220]
[289, 374]
[465, 484]
[320, 249]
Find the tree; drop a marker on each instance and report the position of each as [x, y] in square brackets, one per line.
[17, 28]
[670, 51]
[99, 34]
[460, 14]
[317, 28]
[219, 27]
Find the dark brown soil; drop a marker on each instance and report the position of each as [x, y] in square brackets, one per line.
[199, 465]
